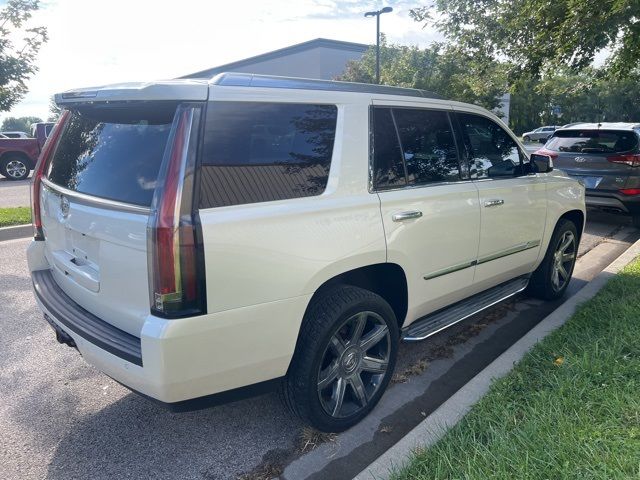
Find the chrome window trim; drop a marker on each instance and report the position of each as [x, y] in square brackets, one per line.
[95, 201]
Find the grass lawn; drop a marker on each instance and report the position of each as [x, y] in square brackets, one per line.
[14, 216]
[569, 410]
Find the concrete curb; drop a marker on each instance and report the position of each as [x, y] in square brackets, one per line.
[451, 412]
[17, 231]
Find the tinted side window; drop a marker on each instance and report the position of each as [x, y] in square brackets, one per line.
[388, 168]
[428, 146]
[492, 153]
[259, 152]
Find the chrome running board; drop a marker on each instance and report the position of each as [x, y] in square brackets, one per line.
[435, 322]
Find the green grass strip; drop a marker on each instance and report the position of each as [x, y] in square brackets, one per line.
[569, 410]
[14, 216]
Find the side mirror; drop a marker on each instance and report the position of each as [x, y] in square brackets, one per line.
[541, 163]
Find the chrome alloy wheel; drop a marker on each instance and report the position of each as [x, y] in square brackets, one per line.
[16, 169]
[354, 364]
[563, 259]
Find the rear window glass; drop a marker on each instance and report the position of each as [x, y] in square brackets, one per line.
[113, 153]
[592, 141]
[259, 152]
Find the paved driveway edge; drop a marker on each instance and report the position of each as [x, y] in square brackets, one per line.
[17, 231]
[451, 412]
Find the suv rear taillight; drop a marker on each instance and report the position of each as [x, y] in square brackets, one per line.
[46, 154]
[631, 160]
[175, 253]
[630, 191]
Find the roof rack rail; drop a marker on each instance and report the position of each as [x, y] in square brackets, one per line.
[272, 81]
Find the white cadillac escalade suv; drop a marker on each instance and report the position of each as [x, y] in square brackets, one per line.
[202, 240]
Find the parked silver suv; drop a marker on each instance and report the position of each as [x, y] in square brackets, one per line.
[539, 134]
[605, 157]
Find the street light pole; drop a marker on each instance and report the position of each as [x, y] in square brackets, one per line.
[377, 14]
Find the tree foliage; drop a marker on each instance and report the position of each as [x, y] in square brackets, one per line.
[536, 35]
[19, 124]
[54, 110]
[587, 96]
[17, 59]
[447, 71]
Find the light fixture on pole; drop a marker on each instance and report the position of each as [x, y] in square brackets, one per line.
[377, 14]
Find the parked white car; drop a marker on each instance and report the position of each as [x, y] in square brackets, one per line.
[202, 240]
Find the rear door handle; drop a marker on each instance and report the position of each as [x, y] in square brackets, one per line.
[400, 216]
[494, 203]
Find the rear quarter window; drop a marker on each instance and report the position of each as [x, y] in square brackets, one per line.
[258, 152]
[593, 141]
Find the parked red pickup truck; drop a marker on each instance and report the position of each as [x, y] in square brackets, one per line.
[18, 156]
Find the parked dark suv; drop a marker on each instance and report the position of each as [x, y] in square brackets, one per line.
[606, 158]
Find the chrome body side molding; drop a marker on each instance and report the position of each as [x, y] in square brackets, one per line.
[487, 258]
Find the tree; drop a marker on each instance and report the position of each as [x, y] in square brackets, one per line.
[538, 35]
[17, 62]
[447, 71]
[54, 110]
[587, 96]
[21, 124]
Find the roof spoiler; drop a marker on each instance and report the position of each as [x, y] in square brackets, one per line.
[182, 90]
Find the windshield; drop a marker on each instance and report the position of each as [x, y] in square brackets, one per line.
[113, 153]
[592, 141]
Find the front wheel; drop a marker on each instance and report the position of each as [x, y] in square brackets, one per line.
[14, 168]
[527, 138]
[551, 279]
[344, 358]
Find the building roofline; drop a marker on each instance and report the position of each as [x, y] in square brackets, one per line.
[281, 52]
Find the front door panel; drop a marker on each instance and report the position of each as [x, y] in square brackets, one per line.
[513, 205]
[511, 232]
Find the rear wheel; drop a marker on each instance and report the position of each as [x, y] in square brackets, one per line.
[344, 358]
[636, 221]
[551, 279]
[14, 168]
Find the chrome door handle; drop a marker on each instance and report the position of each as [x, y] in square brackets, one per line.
[494, 203]
[399, 217]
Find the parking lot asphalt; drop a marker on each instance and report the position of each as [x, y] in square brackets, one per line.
[14, 193]
[60, 418]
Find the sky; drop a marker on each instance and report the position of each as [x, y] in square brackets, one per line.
[95, 42]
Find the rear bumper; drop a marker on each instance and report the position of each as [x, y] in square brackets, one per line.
[613, 201]
[75, 319]
[184, 363]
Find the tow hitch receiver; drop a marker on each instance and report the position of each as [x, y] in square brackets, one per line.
[61, 335]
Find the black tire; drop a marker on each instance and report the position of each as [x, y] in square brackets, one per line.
[542, 283]
[636, 221]
[332, 316]
[526, 138]
[14, 168]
